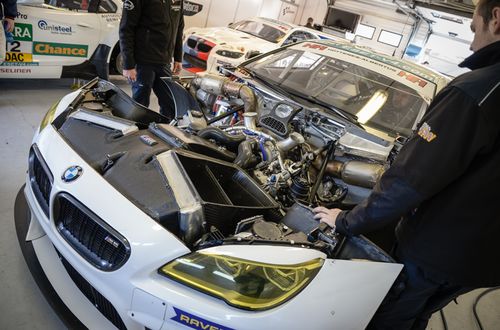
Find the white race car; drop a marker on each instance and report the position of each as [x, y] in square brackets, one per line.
[137, 222]
[209, 48]
[64, 39]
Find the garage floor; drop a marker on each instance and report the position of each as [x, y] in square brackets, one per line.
[22, 306]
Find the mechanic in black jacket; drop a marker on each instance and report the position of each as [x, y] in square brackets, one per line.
[444, 186]
[150, 35]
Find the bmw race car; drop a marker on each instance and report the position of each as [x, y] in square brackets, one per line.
[205, 221]
[210, 48]
[64, 39]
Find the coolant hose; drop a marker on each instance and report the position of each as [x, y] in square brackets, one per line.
[231, 142]
[246, 158]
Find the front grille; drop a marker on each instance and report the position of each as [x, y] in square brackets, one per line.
[204, 48]
[89, 235]
[194, 61]
[95, 297]
[274, 125]
[41, 178]
[191, 43]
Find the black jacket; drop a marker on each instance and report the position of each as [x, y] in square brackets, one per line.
[445, 182]
[9, 9]
[151, 32]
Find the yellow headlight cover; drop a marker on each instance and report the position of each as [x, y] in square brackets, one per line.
[49, 116]
[242, 283]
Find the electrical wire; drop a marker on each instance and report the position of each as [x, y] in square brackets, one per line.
[445, 324]
[474, 306]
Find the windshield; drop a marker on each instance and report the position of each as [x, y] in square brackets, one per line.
[377, 101]
[260, 30]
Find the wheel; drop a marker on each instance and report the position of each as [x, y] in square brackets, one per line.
[119, 63]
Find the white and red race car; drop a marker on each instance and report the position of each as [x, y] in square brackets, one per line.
[209, 48]
[64, 39]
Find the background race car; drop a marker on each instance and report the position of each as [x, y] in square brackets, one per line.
[209, 48]
[64, 39]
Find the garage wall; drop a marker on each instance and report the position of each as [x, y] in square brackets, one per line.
[223, 12]
[312, 8]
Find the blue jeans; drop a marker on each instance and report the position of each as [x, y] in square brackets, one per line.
[412, 307]
[148, 78]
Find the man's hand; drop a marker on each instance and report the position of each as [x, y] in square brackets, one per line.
[131, 74]
[177, 68]
[329, 216]
[9, 27]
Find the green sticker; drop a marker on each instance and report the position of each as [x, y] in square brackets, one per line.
[23, 32]
[55, 49]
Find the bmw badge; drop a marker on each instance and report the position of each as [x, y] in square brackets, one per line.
[72, 173]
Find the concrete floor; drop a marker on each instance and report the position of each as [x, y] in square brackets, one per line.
[22, 306]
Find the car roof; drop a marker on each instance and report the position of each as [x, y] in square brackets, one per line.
[273, 22]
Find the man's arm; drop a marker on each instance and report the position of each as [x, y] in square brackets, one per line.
[10, 13]
[450, 136]
[178, 44]
[128, 24]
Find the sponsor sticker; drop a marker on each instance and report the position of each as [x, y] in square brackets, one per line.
[110, 18]
[19, 64]
[21, 16]
[56, 49]
[23, 32]
[18, 57]
[192, 8]
[196, 322]
[15, 70]
[54, 28]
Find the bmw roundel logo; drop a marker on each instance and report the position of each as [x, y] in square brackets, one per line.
[72, 173]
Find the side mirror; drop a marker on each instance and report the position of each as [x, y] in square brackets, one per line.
[252, 53]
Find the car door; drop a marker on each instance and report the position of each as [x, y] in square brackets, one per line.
[48, 37]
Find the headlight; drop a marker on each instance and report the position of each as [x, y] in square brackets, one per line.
[242, 283]
[49, 116]
[229, 53]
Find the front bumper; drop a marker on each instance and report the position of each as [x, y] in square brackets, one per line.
[344, 294]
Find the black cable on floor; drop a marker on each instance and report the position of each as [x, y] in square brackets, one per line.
[474, 306]
[445, 324]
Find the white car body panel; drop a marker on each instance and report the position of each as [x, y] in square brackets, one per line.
[343, 295]
[40, 30]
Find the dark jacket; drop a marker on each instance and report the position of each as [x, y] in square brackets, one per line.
[151, 32]
[445, 182]
[9, 9]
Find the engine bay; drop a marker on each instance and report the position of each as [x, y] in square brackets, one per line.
[240, 164]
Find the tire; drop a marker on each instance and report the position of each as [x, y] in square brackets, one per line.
[119, 64]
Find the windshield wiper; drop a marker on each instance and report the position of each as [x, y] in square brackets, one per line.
[254, 75]
[344, 114]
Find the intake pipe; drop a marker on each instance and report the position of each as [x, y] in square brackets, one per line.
[218, 85]
[356, 172]
[246, 157]
[230, 141]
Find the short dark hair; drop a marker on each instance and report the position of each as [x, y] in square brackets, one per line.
[485, 8]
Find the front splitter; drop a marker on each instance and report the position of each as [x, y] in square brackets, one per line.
[22, 218]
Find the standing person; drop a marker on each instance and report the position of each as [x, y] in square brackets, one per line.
[310, 23]
[8, 12]
[150, 35]
[444, 187]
